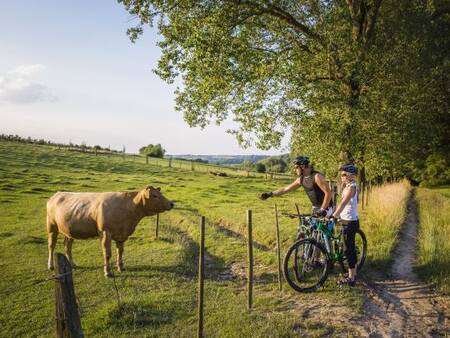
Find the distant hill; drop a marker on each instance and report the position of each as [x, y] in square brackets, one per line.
[222, 159]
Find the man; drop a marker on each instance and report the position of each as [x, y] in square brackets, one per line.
[313, 183]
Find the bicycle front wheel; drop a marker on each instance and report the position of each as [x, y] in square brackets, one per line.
[306, 265]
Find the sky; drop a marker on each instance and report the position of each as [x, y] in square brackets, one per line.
[69, 73]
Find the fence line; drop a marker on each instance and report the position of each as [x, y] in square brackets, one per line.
[207, 167]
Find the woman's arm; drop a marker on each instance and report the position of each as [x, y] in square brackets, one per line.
[347, 194]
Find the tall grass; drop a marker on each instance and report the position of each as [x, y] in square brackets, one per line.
[434, 238]
[382, 220]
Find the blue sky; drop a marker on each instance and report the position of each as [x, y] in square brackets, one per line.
[68, 72]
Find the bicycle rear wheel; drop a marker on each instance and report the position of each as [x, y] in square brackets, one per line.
[306, 265]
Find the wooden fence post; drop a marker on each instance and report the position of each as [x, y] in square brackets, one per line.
[68, 324]
[157, 226]
[250, 260]
[362, 190]
[278, 248]
[201, 276]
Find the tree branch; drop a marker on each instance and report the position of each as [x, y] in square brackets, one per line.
[277, 12]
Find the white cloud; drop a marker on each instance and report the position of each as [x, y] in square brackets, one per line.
[20, 86]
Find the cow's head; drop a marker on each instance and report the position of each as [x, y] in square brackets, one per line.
[154, 202]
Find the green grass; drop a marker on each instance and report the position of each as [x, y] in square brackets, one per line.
[158, 290]
[434, 235]
[444, 190]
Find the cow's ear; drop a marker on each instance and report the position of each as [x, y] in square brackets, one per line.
[159, 189]
[148, 187]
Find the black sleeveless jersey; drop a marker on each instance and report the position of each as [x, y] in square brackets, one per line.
[315, 194]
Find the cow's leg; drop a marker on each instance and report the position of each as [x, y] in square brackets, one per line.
[106, 246]
[120, 246]
[68, 249]
[52, 231]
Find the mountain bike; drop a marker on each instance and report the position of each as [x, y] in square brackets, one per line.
[315, 252]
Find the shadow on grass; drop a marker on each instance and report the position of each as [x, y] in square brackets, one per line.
[436, 272]
[33, 240]
[135, 315]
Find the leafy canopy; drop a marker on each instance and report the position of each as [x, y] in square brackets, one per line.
[352, 78]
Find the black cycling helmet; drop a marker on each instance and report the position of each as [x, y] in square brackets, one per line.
[349, 168]
[301, 160]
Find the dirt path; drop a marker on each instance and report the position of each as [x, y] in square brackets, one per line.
[398, 304]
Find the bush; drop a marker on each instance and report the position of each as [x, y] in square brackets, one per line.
[274, 164]
[260, 168]
[436, 172]
[152, 150]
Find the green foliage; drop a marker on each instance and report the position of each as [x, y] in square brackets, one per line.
[260, 167]
[247, 165]
[152, 150]
[274, 164]
[436, 171]
[352, 80]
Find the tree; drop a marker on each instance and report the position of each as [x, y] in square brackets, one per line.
[152, 150]
[274, 164]
[335, 72]
[260, 167]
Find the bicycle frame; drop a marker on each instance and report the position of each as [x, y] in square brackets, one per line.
[317, 228]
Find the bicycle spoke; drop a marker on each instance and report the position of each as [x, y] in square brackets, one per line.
[306, 265]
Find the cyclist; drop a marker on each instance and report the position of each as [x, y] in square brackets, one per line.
[347, 210]
[313, 183]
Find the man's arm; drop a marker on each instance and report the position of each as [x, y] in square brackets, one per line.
[323, 185]
[294, 185]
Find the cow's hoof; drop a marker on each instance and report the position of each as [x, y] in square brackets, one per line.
[121, 268]
[51, 268]
[109, 274]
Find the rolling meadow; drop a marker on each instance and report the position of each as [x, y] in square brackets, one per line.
[157, 294]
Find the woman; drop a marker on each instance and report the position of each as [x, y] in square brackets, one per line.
[347, 210]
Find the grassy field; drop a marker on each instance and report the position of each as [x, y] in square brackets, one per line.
[434, 235]
[158, 290]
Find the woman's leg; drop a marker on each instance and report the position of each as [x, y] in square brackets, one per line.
[350, 251]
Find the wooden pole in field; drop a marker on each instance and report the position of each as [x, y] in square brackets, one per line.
[157, 226]
[201, 273]
[68, 324]
[146, 159]
[250, 260]
[278, 248]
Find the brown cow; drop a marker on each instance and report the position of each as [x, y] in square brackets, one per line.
[110, 215]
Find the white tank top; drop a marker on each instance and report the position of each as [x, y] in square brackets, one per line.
[350, 211]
